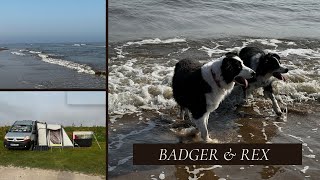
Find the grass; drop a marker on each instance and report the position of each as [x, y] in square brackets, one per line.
[88, 160]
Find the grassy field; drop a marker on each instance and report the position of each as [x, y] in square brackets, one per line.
[88, 160]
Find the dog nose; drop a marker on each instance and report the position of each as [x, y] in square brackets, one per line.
[286, 70]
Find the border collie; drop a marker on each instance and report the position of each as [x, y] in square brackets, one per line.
[199, 88]
[265, 66]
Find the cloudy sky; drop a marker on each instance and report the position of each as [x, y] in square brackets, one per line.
[66, 108]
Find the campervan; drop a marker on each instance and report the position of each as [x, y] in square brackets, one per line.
[22, 135]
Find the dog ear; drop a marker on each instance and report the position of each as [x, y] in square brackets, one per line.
[227, 69]
[226, 63]
[267, 57]
[276, 56]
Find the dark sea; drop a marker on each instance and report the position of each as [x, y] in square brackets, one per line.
[147, 39]
[53, 65]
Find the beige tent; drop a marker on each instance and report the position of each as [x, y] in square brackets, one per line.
[52, 135]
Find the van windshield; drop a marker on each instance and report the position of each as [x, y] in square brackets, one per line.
[21, 128]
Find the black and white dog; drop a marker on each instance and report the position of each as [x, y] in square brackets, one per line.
[199, 88]
[265, 66]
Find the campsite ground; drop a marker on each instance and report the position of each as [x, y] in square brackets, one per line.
[90, 160]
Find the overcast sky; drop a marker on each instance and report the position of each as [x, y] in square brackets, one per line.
[52, 21]
[66, 108]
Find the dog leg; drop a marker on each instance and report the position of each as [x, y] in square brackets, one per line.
[202, 125]
[247, 93]
[268, 92]
[244, 90]
[182, 113]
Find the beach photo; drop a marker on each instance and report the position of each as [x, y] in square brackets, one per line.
[53, 44]
[53, 135]
[173, 78]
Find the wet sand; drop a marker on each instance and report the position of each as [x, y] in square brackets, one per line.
[253, 124]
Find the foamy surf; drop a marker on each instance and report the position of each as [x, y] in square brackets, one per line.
[132, 88]
[57, 60]
[81, 68]
[140, 82]
[18, 53]
[157, 41]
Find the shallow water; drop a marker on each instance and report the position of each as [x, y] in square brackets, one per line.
[254, 124]
[142, 110]
[131, 20]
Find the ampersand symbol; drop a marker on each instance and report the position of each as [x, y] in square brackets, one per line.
[228, 155]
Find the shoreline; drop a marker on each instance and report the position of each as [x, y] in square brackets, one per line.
[3, 49]
[29, 73]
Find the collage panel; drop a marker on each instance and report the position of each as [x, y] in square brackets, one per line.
[53, 65]
[53, 90]
[53, 133]
[201, 74]
[53, 45]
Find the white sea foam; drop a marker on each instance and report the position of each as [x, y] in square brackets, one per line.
[198, 170]
[269, 42]
[18, 53]
[311, 156]
[306, 53]
[35, 52]
[279, 127]
[81, 68]
[162, 175]
[211, 51]
[132, 87]
[157, 41]
[301, 140]
[304, 170]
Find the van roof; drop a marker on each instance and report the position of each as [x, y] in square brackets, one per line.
[24, 122]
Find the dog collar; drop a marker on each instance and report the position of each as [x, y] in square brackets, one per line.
[215, 79]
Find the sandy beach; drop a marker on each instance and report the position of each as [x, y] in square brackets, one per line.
[9, 173]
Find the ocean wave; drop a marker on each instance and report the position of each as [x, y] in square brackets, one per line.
[132, 87]
[157, 41]
[307, 53]
[81, 68]
[145, 83]
[78, 45]
[18, 53]
[35, 52]
[23, 50]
